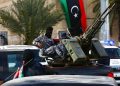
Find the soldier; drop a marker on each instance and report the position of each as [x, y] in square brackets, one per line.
[47, 46]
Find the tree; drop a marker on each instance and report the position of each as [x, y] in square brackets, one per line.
[113, 14]
[29, 18]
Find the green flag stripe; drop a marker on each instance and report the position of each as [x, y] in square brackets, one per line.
[21, 72]
[65, 9]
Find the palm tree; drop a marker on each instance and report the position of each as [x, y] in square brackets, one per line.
[29, 18]
[113, 14]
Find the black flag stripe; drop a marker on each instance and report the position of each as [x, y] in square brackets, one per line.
[75, 16]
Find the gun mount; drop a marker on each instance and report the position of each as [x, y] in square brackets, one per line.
[79, 48]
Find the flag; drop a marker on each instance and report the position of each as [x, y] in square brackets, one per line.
[75, 16]
[21, 72]
[16, 74]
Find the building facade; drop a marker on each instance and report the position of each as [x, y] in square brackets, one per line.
[10, 37]
[13, 38]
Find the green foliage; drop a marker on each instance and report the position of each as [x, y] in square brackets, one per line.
[30, 18]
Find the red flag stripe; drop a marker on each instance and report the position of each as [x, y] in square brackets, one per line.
[17, 73]
[83, 16]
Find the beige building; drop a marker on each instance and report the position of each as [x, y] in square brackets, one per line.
[11, 37]
[15, 39]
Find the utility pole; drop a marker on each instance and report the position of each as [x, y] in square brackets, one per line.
[105, 30]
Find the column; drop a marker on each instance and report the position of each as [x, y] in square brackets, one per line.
[105, 30]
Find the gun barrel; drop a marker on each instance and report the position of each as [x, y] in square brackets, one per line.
[94, 28]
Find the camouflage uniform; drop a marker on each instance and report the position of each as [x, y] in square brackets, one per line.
[50, 49]
[44, 40]
[56, 51]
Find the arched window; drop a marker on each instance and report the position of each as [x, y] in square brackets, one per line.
[3, 38]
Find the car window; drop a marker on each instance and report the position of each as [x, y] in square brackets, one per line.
[119, 51]
[1, 65]
[113, 52]
[14, 61]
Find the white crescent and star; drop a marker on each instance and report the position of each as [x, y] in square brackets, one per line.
[75, 14]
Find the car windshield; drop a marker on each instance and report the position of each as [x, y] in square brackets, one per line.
[113, 52]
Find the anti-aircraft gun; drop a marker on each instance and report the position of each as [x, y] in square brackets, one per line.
[79, 48]
[81, 51]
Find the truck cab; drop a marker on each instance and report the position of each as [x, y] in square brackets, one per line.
[11, 58]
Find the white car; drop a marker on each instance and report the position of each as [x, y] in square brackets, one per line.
[114, 60]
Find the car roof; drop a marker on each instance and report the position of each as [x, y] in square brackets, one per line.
[17, 47]
[106, 46]
[62, 79]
